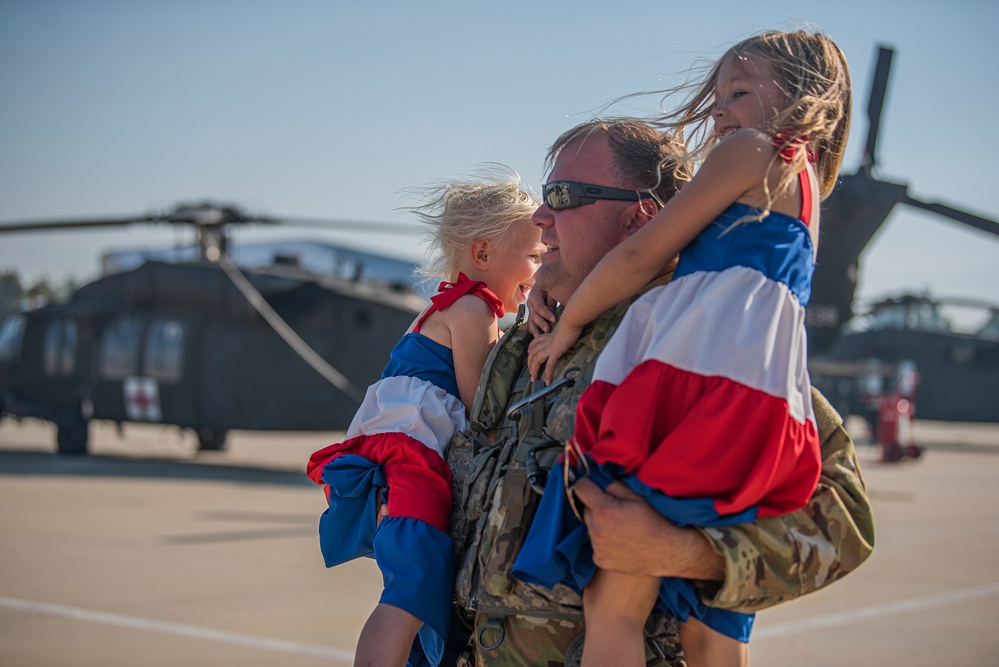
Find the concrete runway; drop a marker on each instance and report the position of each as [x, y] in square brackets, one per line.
[147, 554]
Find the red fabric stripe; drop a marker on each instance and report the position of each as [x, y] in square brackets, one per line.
[806, 197]
[692, 436]
[418, 478]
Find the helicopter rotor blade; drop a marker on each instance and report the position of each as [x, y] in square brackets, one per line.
[875, 104]
[210, 216]
[976, 221]
[353, 225]
[45, 225]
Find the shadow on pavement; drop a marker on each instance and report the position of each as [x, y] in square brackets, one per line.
[14, 462]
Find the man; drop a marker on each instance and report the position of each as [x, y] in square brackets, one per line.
[498, 478]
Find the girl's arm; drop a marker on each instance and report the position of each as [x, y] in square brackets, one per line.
[734, 168]
[474, 332]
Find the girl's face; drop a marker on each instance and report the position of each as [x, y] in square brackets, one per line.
[512, 265]
[746, 95]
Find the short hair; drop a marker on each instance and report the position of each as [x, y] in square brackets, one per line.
[456, 213]
[644, 157]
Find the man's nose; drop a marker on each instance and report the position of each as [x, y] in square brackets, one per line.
[543, 216]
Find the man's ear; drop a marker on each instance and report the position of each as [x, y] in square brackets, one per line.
[640, 214]
[480, 253]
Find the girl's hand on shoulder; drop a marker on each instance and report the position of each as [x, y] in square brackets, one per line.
[546, 349]
[540, 311]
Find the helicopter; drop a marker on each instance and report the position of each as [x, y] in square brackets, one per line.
[850, 354]
[954, 367]
[203, 344]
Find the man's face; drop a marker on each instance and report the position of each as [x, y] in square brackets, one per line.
[577, 238]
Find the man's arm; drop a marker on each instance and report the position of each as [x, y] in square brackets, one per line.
[783, 557]
[746, 567]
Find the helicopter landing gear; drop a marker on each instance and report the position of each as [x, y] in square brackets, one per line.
[72, 434]
[211, 440]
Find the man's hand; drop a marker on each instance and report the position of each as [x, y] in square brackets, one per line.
[540, 311]
[629, 536]
[547, 348]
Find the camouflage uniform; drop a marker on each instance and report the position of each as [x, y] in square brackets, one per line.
[496, 492]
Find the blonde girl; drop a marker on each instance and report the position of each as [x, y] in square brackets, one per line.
[700, 402]
[387, 485]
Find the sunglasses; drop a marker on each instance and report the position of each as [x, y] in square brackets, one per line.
[561, 195]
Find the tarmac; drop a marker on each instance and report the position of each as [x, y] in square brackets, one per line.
[148, 553]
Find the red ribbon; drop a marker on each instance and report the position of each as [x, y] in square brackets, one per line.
[788, 143]
[448, 293]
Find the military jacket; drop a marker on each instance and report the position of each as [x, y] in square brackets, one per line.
[498, 474]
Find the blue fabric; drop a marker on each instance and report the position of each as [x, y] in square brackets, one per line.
[347, 527]
[416, 560]
[415, 355]
[779, 247]
[557, 549]
[417, 564]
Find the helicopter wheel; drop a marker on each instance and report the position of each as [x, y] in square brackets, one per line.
[71, 436]
[211, 440]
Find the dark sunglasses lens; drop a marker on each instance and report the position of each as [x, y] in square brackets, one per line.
[557, 196]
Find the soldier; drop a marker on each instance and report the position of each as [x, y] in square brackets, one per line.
[520, 427]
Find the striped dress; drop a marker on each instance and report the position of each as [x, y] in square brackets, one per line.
[396, 442]
[700, 402]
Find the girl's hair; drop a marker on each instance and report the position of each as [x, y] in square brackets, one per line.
[456, 213]
[812, 73]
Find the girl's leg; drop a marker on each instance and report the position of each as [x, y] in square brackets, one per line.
[616, 607]
[703, 646]
[387, 638]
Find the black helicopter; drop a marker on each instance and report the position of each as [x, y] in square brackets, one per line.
[205, 345]
[956, 367]
[208, 347]
[846, 357]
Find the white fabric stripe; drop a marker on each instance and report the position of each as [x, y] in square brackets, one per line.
[735, 324]
[409, 405]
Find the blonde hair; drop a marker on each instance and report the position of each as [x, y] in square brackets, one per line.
[456, 213]
[814, 77]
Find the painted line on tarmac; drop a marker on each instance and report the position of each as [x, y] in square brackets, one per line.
[239, 639]
[890, 609]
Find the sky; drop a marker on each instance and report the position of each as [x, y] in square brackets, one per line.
[331, 110]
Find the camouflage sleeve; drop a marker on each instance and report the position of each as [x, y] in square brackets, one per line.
[780, 558]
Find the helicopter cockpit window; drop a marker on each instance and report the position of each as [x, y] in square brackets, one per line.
[120, 349]
[59, 354]
[164, 356]
[927, 317]
[888, 317]
[11, 334]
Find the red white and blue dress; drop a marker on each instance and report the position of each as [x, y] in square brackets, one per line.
[700, 402]
[396, 442]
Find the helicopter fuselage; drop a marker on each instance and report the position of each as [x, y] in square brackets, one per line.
[177, 344]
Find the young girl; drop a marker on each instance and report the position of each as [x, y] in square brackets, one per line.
[487, 251]
[700, 402]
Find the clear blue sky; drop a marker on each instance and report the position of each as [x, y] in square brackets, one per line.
[331, 109]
